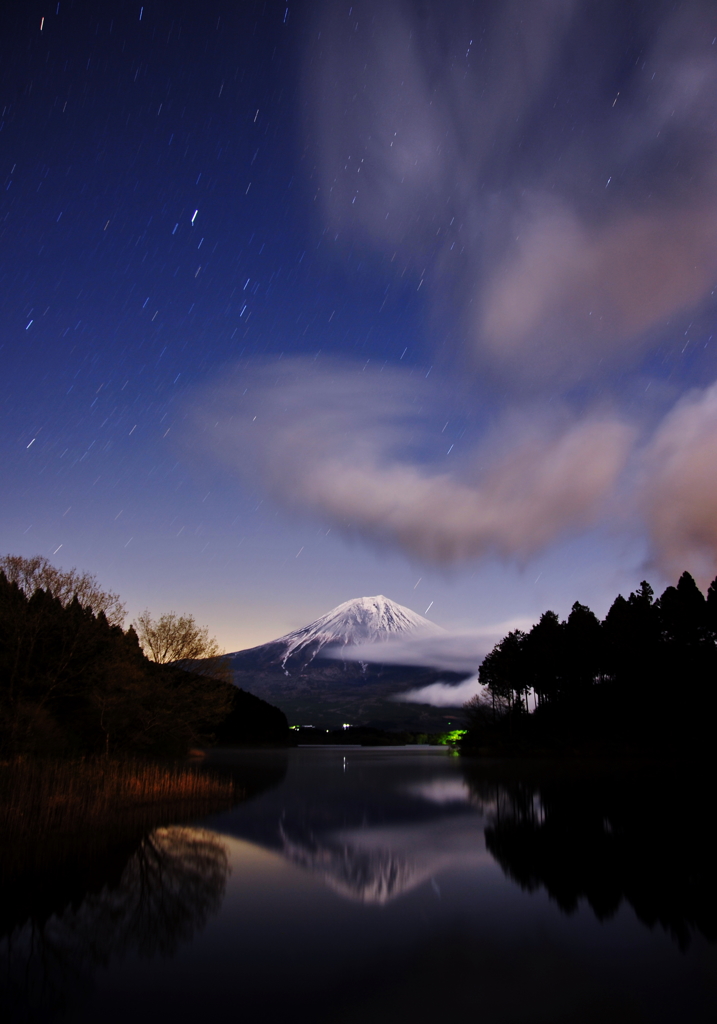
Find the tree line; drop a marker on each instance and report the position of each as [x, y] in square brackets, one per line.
[73, 680]
[646, 674]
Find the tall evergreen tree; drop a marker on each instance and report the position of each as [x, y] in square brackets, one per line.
[711, 610]
[545, 657]
[583, 645]
[504, 672]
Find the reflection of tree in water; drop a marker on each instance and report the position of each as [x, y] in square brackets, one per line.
[171, 883]
[648, 841]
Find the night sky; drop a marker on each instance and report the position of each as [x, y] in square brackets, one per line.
[312, 301]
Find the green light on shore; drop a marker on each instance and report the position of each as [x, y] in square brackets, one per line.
[452, 737]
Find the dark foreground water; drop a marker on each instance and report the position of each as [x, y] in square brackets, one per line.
[380, 885]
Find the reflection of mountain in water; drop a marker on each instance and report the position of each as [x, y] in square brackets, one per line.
[378, 864]
[367, 838]
[644, 839]
[372, 876]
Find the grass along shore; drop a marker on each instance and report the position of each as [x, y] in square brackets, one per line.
[44, 800]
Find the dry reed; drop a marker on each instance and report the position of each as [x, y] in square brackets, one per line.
[43, 799]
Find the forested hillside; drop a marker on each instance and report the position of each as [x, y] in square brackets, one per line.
[72, 682]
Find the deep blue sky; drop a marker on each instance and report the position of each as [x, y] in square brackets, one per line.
[179, 209]
[115, 130]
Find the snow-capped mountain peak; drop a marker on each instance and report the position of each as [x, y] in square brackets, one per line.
[359, 621]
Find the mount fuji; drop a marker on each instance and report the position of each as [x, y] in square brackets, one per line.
[303, 672]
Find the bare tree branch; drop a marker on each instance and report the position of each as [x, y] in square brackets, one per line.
[178, 638]
[37, 572]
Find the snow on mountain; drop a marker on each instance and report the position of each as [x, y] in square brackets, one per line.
[360, 621]
[323, 673]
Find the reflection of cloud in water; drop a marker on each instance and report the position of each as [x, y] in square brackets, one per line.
[442, 791]
[375, 865]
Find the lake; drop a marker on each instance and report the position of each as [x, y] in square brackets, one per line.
[381, 884]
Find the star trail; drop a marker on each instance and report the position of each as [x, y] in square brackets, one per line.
[419, 291]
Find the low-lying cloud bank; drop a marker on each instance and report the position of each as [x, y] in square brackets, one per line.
[446, 651]
[442, 695]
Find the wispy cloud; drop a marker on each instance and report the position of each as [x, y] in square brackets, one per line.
[562, 198]
[451, 652]
[350, 447]
[548, 171]
[461, 653]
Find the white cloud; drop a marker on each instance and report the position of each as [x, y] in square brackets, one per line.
[546, 265]
[345, 443]
[442, 695]
[450, 652]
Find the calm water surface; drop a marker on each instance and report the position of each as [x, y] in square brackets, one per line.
[381, 885]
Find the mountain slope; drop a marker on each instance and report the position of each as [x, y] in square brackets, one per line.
[298, 674]
[360, 621]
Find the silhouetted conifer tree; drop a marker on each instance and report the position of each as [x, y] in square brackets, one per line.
[632, 635]
[583, 658]
[646, 675]
[544, 650]
[504, 672]
[711, 609]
